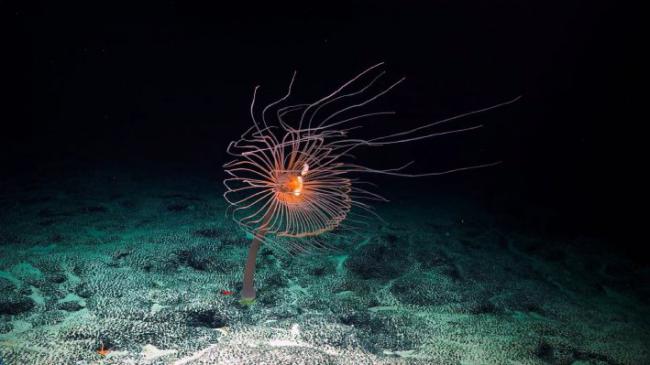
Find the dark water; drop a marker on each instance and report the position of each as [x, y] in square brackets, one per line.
[115, 246]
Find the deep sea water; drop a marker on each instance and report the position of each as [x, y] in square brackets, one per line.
[143, 262]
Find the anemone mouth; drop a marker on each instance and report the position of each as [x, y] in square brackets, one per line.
[290, 189]
[290, 185]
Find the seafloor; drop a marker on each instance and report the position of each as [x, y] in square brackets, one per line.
[143, 262]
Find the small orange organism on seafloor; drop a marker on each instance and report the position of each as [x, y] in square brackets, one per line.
[102, 350]
[290, 183]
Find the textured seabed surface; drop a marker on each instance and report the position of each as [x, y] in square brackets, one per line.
[140, 262]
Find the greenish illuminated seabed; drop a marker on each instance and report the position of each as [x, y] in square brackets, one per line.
[146, 265]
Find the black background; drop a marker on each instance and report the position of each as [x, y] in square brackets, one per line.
[170, 83]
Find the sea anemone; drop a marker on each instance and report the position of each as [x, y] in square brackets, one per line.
[294, 181]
